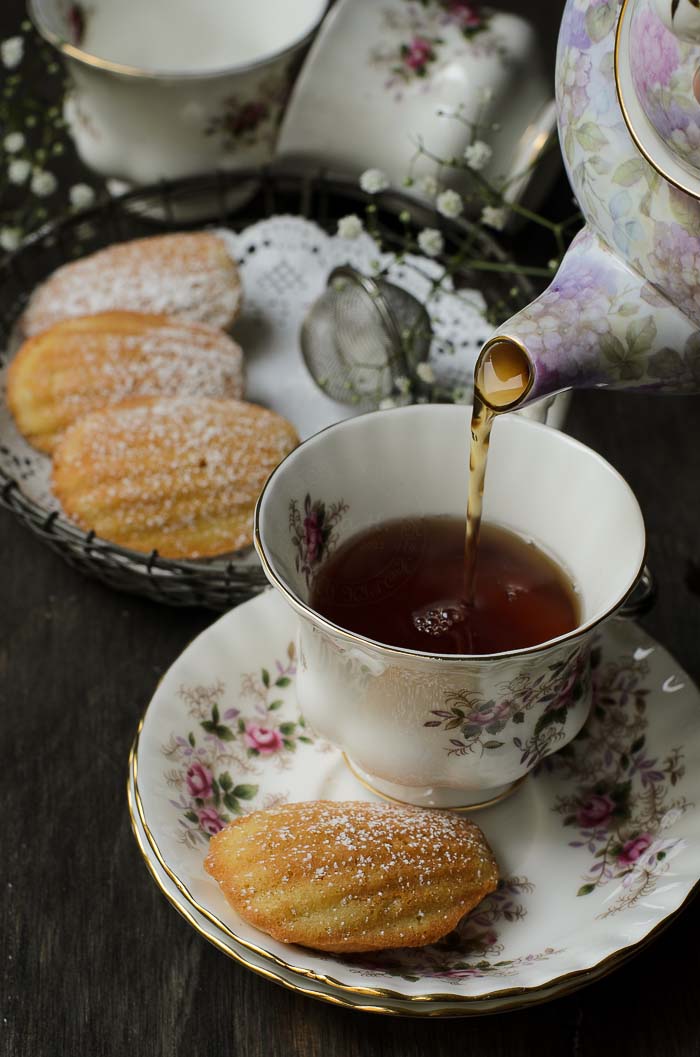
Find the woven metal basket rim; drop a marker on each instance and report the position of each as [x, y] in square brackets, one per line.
[221, 571]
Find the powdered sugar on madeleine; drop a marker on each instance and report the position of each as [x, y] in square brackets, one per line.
[352, 876]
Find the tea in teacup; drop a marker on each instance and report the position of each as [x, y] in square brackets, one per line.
[403, 583]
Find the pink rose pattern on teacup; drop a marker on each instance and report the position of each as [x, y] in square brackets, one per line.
[417, 54]
[215, 759]
[648, 223]
[254, 121]
[313, 527]
[425, 30]
[623, 800]
[476, 724]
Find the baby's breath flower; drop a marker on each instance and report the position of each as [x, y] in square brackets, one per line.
[403, 384]
[43, 183]
[426, 373]
[553, 263]
[81, 195]
[387, 403]
[431, 242]
[477, 155]
[18, 170]
[494, 217]
[429, 186]
[449, 204]
[13, 142]
[461, 395]
[9, 238]
[373, 181]
[11, 52]
[350, 227]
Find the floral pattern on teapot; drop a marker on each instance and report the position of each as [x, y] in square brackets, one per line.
[651, 224]
[663, 68]
[624, 308]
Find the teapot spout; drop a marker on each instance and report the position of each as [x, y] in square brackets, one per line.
[598, 324]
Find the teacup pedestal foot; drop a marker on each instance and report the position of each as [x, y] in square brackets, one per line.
[431, 796]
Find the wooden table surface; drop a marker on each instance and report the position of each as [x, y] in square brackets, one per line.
[94, 961]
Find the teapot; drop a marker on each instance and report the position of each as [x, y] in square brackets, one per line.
[623, 309]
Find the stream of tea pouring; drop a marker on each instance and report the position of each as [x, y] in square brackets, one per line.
[502, 379]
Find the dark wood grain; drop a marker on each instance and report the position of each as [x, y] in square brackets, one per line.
[93, 961]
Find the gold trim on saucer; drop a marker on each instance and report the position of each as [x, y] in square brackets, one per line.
[429, 807]
[338, 1000]
[691, 190]
[462, 1005]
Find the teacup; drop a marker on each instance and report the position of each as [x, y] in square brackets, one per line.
[166, 90]
[447, 730]
[383, 75]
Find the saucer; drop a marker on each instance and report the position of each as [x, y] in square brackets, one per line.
[290, 979]
[609, 826]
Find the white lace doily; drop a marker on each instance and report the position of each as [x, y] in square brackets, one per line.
[285, 262]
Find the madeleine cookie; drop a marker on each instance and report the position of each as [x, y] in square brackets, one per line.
[352, 876]
[86, 363]
[190, 276]
[180, 476]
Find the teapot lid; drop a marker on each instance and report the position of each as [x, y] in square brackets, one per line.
[657, 73]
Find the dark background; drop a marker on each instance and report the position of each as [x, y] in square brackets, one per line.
[94, 961]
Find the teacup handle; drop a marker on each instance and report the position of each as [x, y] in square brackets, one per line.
[641, 598]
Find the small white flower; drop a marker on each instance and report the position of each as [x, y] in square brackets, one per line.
[43, 183]
[387, 403]
[477, 155]
[426, 373]
[18, 170]
[9, 238]
[449, 204]
[431, 242]
[461, 395]
[350, 227]
[373, 181]
[553, 263]
[403, 384]
[429, 186]
[13, 142]
[11, 52]
[81, 195]
[494, 216]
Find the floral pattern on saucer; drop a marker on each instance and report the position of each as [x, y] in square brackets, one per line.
[214, 760]
[546, 838]
[622, 801]
[470, 950]
[481, 725]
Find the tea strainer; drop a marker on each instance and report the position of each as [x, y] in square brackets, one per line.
[362, 335]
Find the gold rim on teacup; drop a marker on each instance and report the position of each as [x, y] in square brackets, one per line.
[79, 54]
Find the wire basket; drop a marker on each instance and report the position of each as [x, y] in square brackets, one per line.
[217, 583]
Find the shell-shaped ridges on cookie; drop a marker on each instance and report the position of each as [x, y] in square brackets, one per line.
[189, 275]
[83, 364]
[352, 876]
[178, 475]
